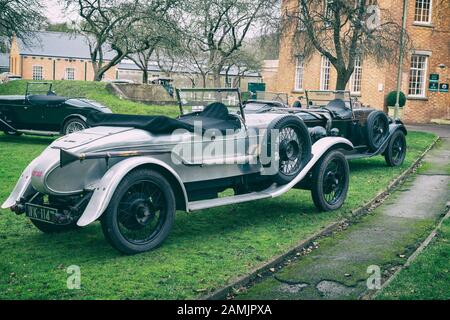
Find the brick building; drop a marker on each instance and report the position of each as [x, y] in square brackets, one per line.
[54, 56]
[428, 25]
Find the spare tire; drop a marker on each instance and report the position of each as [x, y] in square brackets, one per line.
[293, 148]
[377, 129]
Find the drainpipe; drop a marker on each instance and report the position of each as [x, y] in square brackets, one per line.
[400, 63]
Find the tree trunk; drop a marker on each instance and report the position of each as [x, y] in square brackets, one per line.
[216, 77]
[204, 80]
[144, 76]
[342, 80]
[99, 75]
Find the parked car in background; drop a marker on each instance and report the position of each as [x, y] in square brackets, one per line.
[336, 113]
[41, 112]
[6, 77]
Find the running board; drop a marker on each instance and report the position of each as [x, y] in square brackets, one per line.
[39, 133]
[318, 150]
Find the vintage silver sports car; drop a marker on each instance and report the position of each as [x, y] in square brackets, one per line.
[133, 172]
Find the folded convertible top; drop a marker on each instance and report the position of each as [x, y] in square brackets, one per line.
[153, 124]
[215, 116]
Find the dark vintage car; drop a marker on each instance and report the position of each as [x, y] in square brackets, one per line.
[40, 111]
[336, 113]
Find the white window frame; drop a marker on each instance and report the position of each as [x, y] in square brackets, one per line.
[327, 13]
[299, 74]
[66, 73]
[430, 13]
[228, 80]
[416, 72]
[35, 72]
[325, 70]
[356, 78]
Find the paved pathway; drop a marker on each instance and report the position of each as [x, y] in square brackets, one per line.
[385, 238]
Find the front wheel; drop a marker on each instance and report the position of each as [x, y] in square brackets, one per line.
[396, 150]
[330, 180]
[141, 212]
[74, 125]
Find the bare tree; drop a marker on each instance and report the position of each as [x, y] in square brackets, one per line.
[19, 17]
[156, 30]
[105, 25]
[193, 61]
[218, 28]
[342, 31]
[242, 62]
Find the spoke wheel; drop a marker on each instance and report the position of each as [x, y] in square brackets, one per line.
[396, 150]
[293, 148]
[290, 151]
[141, 213]
[330, 181]
[74, 125]
[377, 129]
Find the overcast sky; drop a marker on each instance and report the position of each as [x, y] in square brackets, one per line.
[54, 11]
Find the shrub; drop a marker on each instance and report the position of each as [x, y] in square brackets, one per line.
[392, 97]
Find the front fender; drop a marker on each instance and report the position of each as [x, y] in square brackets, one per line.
[23, 187]
[319, 149]
[104, 190]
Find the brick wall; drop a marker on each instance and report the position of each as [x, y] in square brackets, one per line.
[379, 79]
[55, 68]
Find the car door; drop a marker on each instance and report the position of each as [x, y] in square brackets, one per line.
[54, 115]
[30, 116]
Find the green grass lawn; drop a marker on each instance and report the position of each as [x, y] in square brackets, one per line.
[428, 277]
[205, 250]
[95, 91]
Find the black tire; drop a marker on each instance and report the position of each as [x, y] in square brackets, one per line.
[377, 129]
[330, 181]
[128, 221]
[13, 133]
[53, 228]
[73, 125]
[294, 147]
[396, 150]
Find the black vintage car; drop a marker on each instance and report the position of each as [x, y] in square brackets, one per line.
[40, 111]
[336, 113]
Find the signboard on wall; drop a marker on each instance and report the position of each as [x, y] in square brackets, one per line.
[434, 77]
[443, 87]
[433, 87]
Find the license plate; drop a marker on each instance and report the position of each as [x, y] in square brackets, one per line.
[42, 213]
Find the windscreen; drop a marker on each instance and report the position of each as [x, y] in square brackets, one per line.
[195, 100]
[317, 99]
[272, 96]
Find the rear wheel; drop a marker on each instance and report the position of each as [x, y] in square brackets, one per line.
[141, 212]
[74, 125]
[377, 129]
[396, 150]
[53, 228]
[294, 148]
[330, 180]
